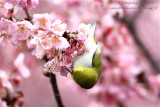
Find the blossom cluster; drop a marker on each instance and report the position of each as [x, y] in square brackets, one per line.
[9, 8]
[24, 3]
[48, 39]
[10, 94]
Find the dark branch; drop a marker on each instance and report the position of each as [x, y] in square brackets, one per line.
[131, 26]
[54, 85]
[29, 18]
[55, 90]
[120, 104]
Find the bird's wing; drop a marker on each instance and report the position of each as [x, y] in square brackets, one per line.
[97, 63]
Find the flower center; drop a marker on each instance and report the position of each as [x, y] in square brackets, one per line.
[55, 39]
[22, 29]
[43, 21]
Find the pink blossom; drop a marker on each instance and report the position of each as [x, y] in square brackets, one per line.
[58, 2]
[29, 3]
[3, 103]
[12, 7]
[109, 19]
[46, 40]
[54, 67]
[4, 81]
[155, 81]
[59, 62]
[84, 37]
[13, 1]
[24, 30]
[20, 31]
[19, 64]
[37, 42]
[60, 43]
[33, 3]
[6, 9]
[24, 3]
[84, 30]
[3, 10]
[39, 51]
[54, 41]
[95, 104]
[58, 27]
[42, 20]
[4, 24]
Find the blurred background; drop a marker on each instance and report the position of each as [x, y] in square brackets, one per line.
[125, 29]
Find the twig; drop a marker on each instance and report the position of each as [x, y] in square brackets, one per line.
[131, 26]
[50, 75]
[28, 15]
[120, 104]
[53, 82]
[141, 45]
[55, 90]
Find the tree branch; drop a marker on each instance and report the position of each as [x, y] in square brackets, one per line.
[54, 85]
[55, 90]
[131, 27]
[120, 104]
[28, 15]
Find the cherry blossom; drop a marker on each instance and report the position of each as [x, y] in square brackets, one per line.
[19, 64]
[4, 80]
[24, 3]
[7, 9]
[42, 20]
[3, 103]
[10, 80]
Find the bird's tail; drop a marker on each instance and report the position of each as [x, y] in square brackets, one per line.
[92, 32]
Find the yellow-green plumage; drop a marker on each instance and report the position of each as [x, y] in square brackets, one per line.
[85, 77]
[88, 66]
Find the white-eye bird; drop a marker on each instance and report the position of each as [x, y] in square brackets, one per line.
[88, 66]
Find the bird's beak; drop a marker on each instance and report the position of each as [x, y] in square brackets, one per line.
[69, 70]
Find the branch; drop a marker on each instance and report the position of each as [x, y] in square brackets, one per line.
[54, 85]
[120, 104]
[131, 26]
[55, 90]
[50, 75]
[28, 15]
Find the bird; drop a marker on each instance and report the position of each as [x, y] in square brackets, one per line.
[88, 66]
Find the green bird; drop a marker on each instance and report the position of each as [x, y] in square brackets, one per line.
[88, 66]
